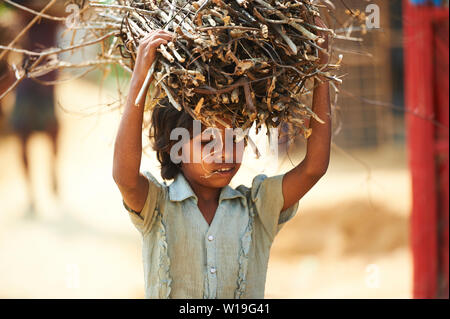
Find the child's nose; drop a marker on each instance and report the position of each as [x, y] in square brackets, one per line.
[228, 152]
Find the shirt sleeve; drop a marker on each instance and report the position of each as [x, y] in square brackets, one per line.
[144, 220]
[267, 195]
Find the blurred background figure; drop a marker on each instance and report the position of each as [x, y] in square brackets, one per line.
[34, 108]
[6, 76]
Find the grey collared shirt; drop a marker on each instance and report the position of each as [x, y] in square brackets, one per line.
[185, 257]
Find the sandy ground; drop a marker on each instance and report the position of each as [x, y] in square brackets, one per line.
[348, 240]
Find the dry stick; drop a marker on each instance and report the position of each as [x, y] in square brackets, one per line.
[12, 87]
[303, 30]
[142, 92]
[32, 22]
[40, 71]
[56, 82]
[40, 14]
[288, 40]
[45, 54]
[249, 98]
[211, 91]
[171, 98]
[237, 27]
[144, 87]
[57, 51]
[23, 51]
[120, 7]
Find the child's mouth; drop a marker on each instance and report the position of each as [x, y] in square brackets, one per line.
[224, 170]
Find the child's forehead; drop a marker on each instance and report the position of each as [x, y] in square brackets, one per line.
[219, 129]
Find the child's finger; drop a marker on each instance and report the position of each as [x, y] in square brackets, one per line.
[162, 36]
[150, 42]
[165, 32]
[151, 49]
[148, 36]
[156, 34]
[156, 43]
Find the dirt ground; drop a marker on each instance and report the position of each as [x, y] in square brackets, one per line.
[348, 240]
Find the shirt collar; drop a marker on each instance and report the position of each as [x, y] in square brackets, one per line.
[180, 190]
[230, 193]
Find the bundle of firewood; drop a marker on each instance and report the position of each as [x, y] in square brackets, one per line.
[243, 60]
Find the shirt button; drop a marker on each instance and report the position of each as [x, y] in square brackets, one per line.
[210, 237]
[213, 270]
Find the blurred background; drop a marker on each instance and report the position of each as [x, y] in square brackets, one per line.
[375, 226]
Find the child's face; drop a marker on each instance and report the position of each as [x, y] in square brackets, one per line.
[217, 165]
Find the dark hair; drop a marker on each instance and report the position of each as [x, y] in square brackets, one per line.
[165, 118]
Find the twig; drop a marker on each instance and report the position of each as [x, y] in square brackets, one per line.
[58, 51]
[32, 22]
[39, 14]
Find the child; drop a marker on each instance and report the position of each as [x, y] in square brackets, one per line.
[202, 238]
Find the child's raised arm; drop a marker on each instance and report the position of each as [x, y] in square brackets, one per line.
[128, 146]
[298, 181]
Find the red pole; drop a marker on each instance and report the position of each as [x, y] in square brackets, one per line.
[418, 44]
[421, 86]
[441, 44]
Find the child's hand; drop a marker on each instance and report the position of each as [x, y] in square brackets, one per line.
[147, 51]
